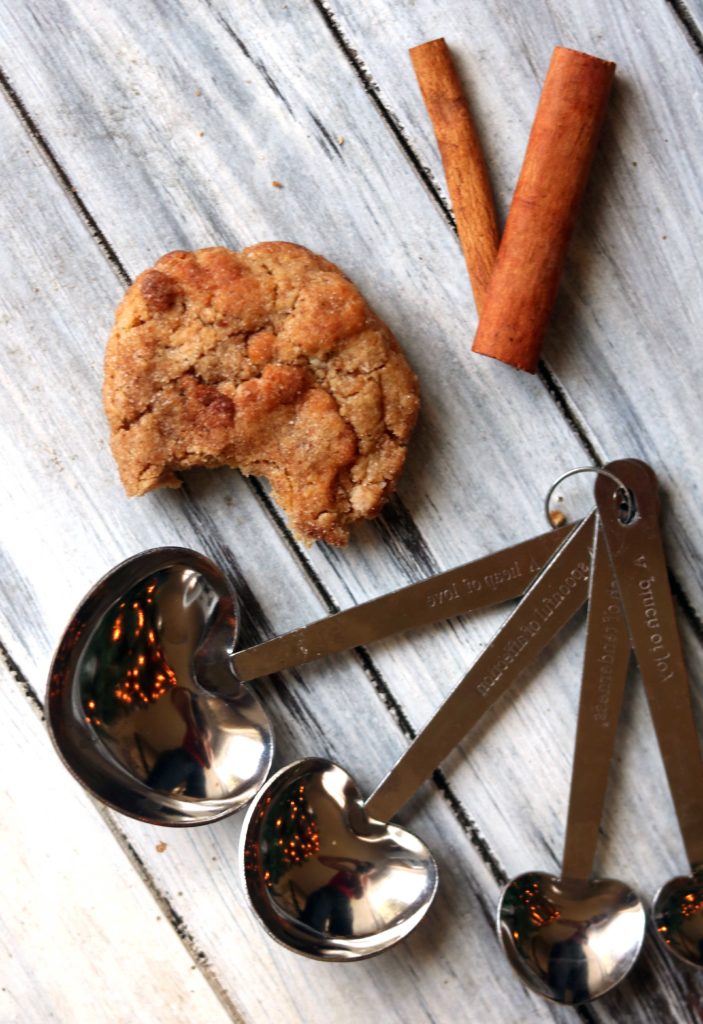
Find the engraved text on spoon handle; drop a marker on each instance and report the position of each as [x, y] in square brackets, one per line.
[554, 597]
[605, 662]
[488, 581]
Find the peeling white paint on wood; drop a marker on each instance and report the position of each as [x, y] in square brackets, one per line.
[83, 939]
[170, 124]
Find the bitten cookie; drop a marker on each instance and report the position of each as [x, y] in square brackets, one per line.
[268, 360]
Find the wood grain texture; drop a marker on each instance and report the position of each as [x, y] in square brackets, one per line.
[462, 160]
[82, 937]
[120, 100]
[57, 479]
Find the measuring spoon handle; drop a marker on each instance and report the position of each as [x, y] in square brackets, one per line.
[605, 662]
[553, 598]
[491, 580]
[638, 559]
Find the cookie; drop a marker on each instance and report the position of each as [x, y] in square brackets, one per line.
[268, 360]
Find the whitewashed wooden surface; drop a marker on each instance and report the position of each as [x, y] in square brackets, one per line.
[132, 129]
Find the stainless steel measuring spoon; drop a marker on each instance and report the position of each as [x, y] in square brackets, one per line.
[147, 702]
[326, 872]
[572, 938]
[638, 559]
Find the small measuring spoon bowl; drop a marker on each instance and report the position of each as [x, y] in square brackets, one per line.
[639, 563]
[677, 910]
[147, 700]
[331, 876]
[572, 938]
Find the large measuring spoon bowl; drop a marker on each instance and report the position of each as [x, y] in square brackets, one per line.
[677, 910]
[126, 702]
[330, 882]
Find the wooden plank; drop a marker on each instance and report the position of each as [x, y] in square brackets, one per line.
[81, 934]
[67, 523]
[507, 782]
[362, 188]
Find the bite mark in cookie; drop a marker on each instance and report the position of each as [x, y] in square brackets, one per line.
[268, 360]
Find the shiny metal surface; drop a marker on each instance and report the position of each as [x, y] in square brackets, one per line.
[325, 874]
[604, 676]
[146, 701]
[639, 563]
[677, 910]
[551, 601]
[324, 879]
[571, 940]
[126, 705]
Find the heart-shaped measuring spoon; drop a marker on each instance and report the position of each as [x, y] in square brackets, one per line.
[146, 700]
[326, 872]
[639, 563]
[573, 938]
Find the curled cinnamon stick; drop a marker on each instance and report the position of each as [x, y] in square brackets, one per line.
[542, 214]
[462, 157]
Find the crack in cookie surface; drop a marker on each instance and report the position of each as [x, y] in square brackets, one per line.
[268, 360]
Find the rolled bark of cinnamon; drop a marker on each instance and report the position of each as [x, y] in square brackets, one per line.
[531, 256]
[463, 161]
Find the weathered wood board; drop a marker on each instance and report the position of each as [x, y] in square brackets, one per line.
[130, 130]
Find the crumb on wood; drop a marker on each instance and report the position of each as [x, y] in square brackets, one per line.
[340, 140]
[160, 847]
[557, 517]
[277, 184]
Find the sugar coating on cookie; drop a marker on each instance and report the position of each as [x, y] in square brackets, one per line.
[268, 360]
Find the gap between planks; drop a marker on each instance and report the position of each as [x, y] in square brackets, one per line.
[554, 390]
[413, 540]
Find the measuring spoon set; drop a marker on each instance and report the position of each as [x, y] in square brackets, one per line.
[153, 710]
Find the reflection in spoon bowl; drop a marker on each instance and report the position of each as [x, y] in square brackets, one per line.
[569, 939]
[677, 910]
[326, 880]
[147, 702]
[326, 872]
[126, 703]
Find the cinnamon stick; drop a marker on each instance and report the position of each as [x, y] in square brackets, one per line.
[542, 214]
[462, 157]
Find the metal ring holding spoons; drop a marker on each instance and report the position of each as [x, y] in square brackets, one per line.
[628, 511]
